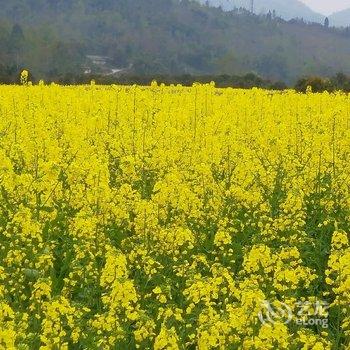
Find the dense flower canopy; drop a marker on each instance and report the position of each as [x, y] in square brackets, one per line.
[164, 217]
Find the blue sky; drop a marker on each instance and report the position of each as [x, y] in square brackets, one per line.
[327, 6]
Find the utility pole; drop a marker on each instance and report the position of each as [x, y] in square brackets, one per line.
[252, 6]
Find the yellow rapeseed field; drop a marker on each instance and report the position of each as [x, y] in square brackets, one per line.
[167, 217]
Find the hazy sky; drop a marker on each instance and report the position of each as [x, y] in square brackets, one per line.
[327, 6]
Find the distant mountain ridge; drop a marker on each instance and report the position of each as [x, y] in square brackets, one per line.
[340, 19]
[287, 9]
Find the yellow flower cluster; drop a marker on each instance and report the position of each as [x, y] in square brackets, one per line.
[171, 217]
[338, 276]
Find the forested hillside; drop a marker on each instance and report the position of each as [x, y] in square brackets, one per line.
[53, 38]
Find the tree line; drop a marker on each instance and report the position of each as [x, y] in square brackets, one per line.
[338, 82]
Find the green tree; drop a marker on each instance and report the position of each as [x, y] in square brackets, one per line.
[326, 22]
